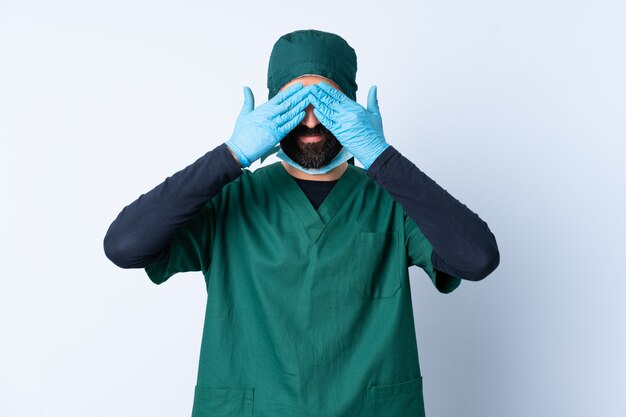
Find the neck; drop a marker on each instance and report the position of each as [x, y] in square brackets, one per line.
[332, 175]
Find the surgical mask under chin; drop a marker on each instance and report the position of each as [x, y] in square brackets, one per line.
[341, 157]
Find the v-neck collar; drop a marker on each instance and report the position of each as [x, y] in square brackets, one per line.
[314, 221]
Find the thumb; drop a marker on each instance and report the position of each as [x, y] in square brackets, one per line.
[372, 101]
[248, 100]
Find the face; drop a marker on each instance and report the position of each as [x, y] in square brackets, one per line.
[310, 144]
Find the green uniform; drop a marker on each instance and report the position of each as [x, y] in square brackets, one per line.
[308, 311]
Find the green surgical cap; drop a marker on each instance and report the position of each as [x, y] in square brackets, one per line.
[312, 52]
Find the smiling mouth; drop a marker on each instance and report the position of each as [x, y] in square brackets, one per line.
[311, 139]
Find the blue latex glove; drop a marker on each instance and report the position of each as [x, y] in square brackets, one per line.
[258, 130]
[358, 129]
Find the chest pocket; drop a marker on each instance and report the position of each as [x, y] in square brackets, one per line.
[378, 264]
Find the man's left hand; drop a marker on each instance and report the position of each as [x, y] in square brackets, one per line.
[358, 129]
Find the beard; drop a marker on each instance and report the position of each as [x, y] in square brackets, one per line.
[311, 155]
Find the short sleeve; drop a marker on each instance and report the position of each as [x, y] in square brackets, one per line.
[189, 248]
[419, 252]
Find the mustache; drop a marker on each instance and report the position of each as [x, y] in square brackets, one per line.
[302, 130]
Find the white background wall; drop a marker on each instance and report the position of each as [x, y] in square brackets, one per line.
[516, 108]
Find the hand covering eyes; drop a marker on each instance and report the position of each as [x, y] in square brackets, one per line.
[358, 129]
[258, 130]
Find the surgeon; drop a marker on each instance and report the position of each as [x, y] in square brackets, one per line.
[306, 259]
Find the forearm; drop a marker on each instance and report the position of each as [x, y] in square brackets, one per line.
[463, 245]
[141, 232]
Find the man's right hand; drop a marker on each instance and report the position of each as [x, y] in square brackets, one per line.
[259, 130]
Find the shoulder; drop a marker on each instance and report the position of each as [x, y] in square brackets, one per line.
[368, 185]
[250, 184]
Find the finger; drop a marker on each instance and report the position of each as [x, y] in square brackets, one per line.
[372, 101]
[322, 107]
[289, 114]
[332, 91]
[248, 100]
[291, 124]
[293, 100]
[329, 100]
[327, 122]
[286, 93]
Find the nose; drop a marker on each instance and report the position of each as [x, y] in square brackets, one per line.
[309, 120]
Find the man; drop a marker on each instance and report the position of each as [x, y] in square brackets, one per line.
[306, 260]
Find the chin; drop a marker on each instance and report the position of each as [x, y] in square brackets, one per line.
[313, 152]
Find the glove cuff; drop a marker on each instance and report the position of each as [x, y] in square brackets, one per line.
[237, 151]
[374, 154]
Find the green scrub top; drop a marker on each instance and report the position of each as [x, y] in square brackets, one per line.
[308, 311]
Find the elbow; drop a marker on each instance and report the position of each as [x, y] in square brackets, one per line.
[486, 262]
[127, 252]
[490, 264]
[115, 251]
[110, 250]
[478, 261]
